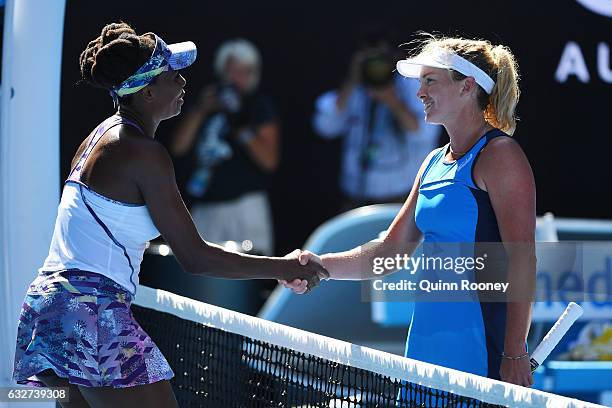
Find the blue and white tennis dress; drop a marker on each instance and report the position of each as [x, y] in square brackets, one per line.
[464, 335]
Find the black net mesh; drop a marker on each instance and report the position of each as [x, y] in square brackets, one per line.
[215, 368]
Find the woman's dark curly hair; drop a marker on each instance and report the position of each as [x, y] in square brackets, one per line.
[115, 55]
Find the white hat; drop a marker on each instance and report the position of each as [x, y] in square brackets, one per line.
[441, 58]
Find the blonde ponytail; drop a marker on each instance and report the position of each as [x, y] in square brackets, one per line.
[500, 112]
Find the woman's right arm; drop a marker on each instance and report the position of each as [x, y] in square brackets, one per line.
[403, 235]
[153, 173]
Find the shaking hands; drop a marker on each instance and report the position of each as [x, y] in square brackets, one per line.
[311, 272]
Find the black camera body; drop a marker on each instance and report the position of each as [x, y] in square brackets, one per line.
[377, 70]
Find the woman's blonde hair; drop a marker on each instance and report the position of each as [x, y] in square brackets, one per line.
[499, 63]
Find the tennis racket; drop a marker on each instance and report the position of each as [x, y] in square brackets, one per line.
[572, 312]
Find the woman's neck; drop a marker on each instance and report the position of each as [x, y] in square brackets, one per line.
[146, 123]
[464, 133]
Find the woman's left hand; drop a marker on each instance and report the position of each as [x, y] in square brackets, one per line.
[516, 372]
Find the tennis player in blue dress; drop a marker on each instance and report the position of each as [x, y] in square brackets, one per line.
[479, 188]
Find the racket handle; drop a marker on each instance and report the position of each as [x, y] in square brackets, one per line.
[572, 312]
[534, 365]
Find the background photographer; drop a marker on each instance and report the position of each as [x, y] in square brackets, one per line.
[231, 137]
[382, 120]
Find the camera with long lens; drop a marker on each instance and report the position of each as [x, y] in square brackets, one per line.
[377, 70]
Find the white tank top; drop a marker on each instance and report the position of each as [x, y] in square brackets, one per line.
[95, 233]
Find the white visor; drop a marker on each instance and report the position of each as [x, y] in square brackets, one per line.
[440, 58]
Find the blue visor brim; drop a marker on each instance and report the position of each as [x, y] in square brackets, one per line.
[183, 55]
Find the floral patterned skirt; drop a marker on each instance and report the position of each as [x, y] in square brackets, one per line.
[79, 324]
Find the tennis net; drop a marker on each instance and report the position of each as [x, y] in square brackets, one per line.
[223, 358]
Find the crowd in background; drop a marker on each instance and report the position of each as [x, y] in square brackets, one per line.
[228, 143]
